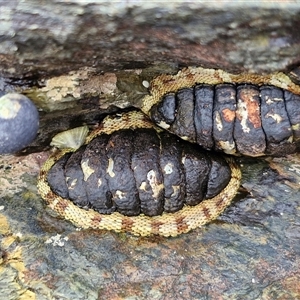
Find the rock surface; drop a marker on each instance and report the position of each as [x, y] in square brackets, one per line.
[56, 37]
[250, 252]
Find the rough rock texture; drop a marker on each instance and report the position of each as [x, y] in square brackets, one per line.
[251, 252]
[80, 59]
[58, 36]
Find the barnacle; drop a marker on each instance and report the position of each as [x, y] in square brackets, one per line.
[72, 138]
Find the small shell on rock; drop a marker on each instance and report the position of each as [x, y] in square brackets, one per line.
[72, 138]
[146, 83]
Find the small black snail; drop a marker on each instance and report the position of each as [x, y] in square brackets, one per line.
[19, 122]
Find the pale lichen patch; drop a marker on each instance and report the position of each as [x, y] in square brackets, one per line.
[57, 240]
[60, 91]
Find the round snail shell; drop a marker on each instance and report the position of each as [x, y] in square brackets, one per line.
[19, 122]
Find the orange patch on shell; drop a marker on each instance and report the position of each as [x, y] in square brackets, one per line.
[228, 114]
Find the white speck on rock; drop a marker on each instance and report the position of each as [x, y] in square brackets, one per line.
[146, 83]
[57, 240]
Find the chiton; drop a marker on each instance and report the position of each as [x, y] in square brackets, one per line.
[243, 114]
[138, 171]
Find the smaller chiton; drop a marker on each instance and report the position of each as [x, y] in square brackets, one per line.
[224, 112]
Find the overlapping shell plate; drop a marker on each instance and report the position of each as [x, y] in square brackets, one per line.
[138, 171]
[238, 114]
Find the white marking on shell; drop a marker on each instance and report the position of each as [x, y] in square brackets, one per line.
[275, 117]
[163, 125]
[110, 168]
[296, 126]
[176, 189]
[272, 100]
[120, 194]
[229, 148]
[143, 186]
[86, 169]
[268, 100]
[168, 168]
[218, 120]
[73, 183]
[10, 105]
[72, 138]
[99, 182]
[154, 183]
[242, 112]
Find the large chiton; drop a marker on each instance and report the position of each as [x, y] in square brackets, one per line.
[130, 175]
[139, 170]
[245, 114]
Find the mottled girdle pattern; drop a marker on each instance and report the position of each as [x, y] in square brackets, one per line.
[166, 224]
